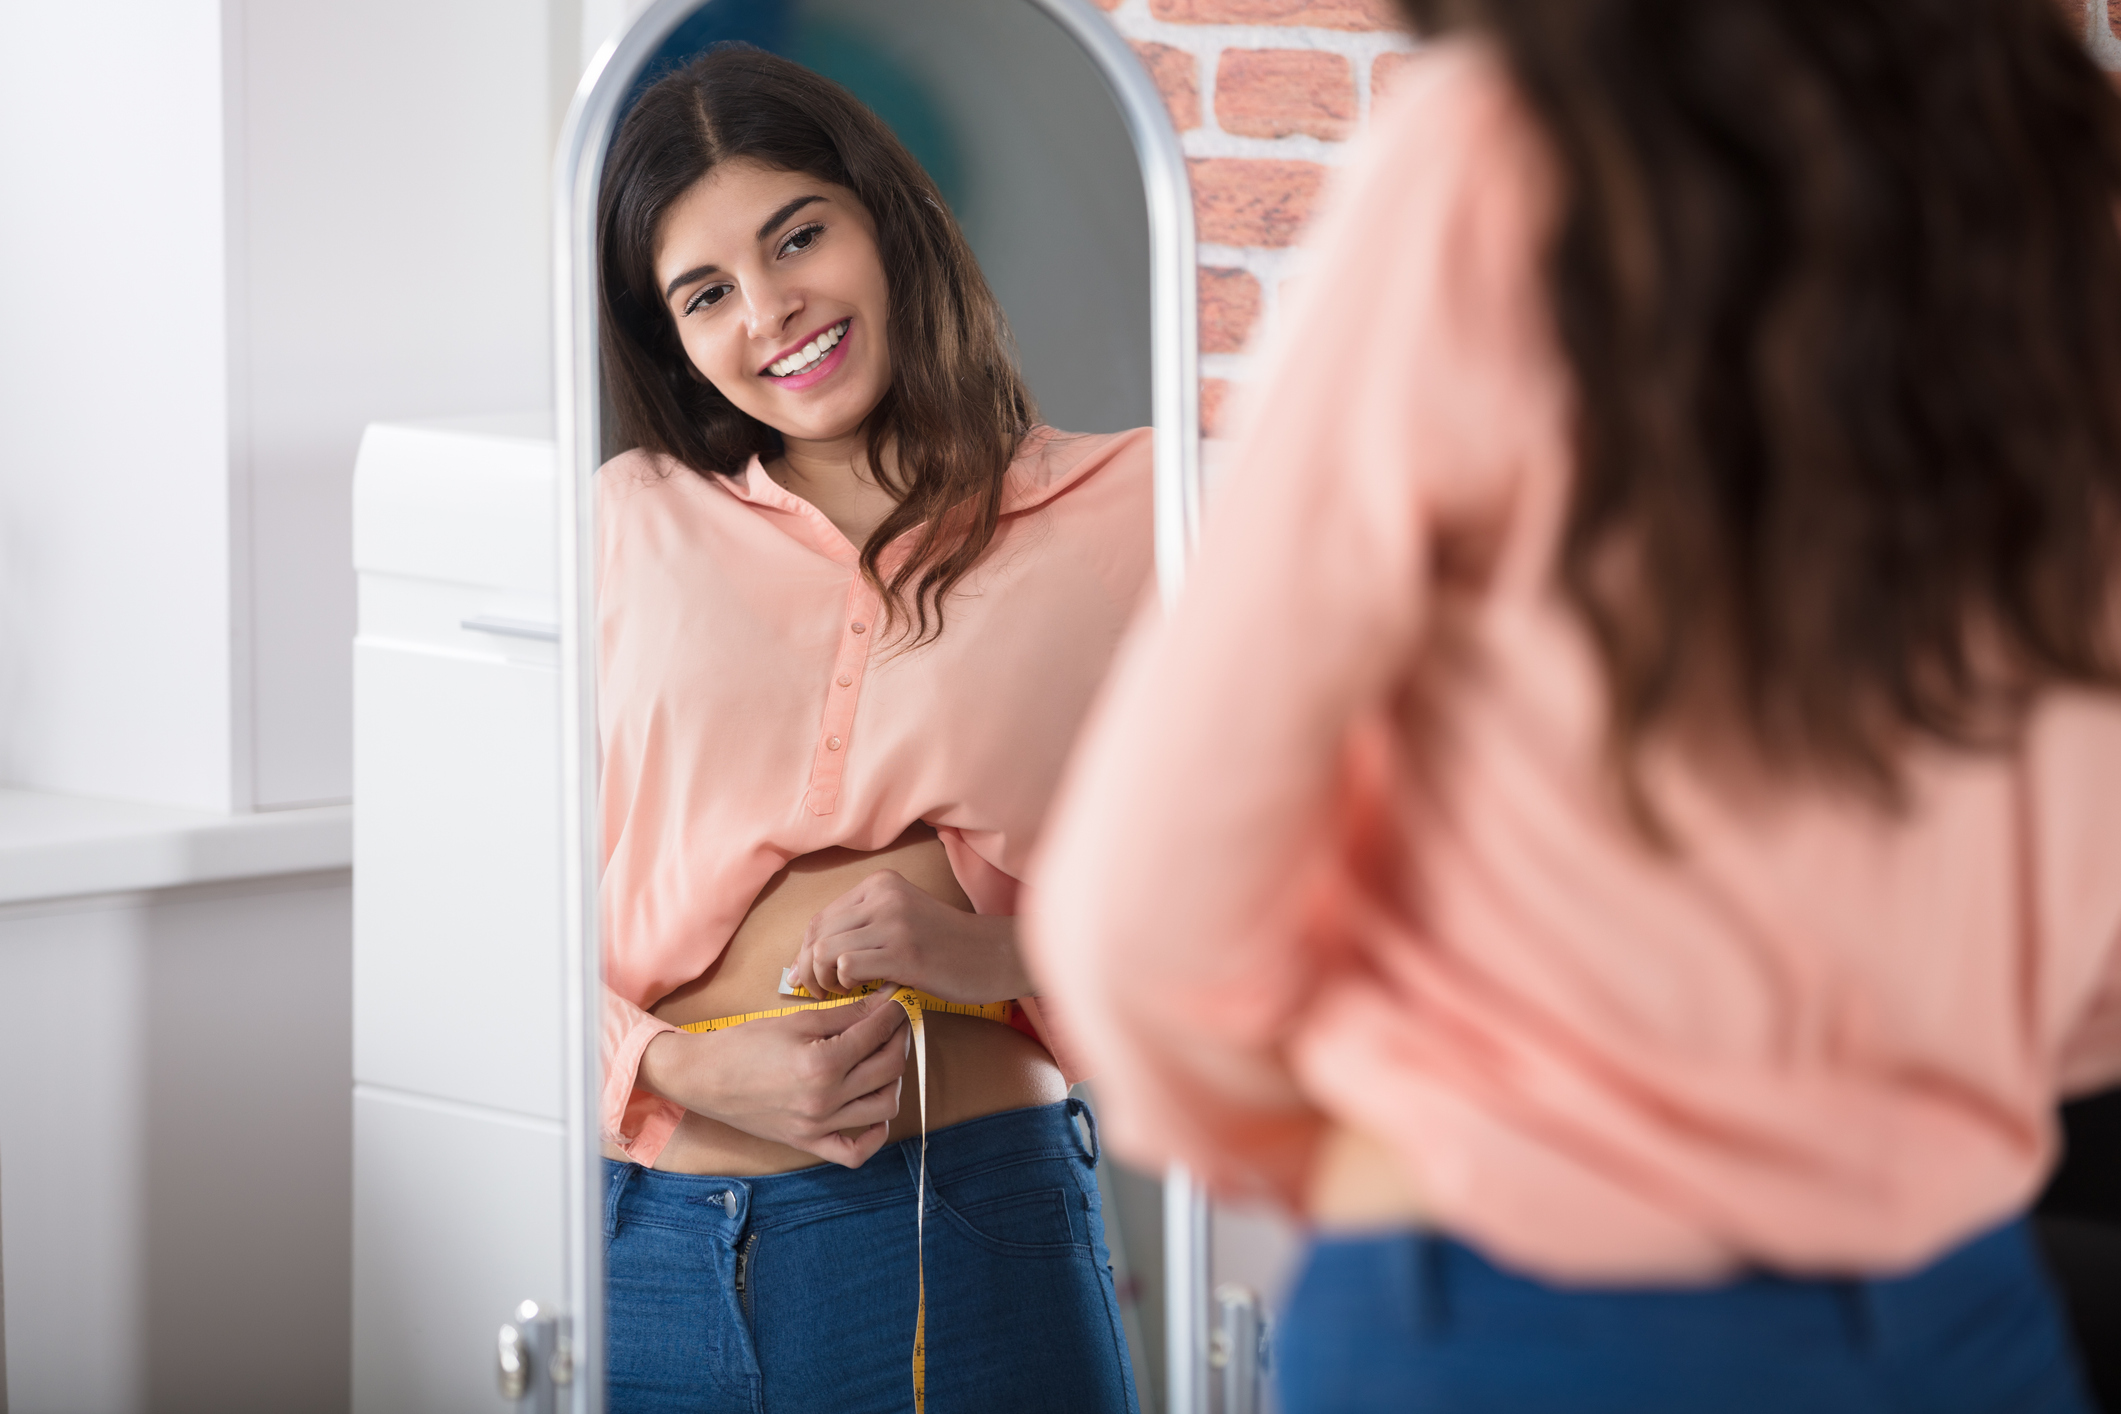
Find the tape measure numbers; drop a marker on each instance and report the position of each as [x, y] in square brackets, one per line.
[915, 1005]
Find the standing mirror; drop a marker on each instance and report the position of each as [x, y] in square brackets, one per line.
[773, 767]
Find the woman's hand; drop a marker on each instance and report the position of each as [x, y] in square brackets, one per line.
[825, 1082]
[886, 930]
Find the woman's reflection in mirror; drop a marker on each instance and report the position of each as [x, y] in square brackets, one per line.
[853, 602]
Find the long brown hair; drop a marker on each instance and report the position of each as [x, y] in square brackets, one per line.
[1840, 285]
[957, 408]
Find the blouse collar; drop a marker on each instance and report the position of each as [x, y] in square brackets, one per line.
[1047, 463]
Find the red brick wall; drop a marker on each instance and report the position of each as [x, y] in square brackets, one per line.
[1266, 95]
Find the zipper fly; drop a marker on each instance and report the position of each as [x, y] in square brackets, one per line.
[743, 1269]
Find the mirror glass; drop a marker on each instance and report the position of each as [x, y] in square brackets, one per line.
[804, 799]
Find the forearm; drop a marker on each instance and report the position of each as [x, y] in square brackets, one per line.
[997, 936]
[676, 1066]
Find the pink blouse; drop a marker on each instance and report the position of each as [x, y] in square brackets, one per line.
[1339, 844]
[749, 715]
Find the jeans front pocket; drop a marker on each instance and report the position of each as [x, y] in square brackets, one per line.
[1035, 1219]
[1027, 1207]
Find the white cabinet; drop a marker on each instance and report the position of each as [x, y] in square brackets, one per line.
[456, 908]
[458, 1152]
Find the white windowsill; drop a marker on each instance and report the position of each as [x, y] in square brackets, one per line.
[60, 846]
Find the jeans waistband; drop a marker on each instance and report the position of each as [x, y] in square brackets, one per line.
[1447, 1285]
[718, 1204]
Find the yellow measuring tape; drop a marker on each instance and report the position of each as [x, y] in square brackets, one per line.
[914, 1003]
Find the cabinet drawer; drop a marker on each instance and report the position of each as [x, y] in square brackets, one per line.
[457, 1217]
[456, 876]
[465, 619]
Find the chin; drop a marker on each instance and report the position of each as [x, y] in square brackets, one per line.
[824, 424]
[819, 429]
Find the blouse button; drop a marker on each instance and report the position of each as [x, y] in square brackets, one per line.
[846, 681]
[861, 627]
[832, 743]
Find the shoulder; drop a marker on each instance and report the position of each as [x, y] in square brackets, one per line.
[1092, 501]
[1053, 465]
[1454, 158]
[649, 505]
[623, 477]
[637, 482]
[1451, 93]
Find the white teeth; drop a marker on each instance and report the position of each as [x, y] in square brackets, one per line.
[801, 360]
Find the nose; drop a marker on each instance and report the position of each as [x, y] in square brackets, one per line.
[769, 308]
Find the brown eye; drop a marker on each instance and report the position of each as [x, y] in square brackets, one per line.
[802, 239]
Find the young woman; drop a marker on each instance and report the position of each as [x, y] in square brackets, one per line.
[853, 602]
[1624, 828]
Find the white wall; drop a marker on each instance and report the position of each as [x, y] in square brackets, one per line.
[236, 232]
[114, 512]
[392, 159]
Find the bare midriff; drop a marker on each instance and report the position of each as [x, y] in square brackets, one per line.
[975, 1067]
[1359, 1185]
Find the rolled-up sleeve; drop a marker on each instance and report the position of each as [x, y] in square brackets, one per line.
[634, 1119]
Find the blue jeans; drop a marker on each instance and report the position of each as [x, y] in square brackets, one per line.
[1410, 1321]
[1022, 1314]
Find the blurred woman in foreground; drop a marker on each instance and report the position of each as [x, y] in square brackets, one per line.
[1624, 828]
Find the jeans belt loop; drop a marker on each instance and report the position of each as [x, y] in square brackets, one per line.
[1078, 1107]
[615, 1182]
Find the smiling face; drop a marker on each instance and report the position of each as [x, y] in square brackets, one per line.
[777, 289]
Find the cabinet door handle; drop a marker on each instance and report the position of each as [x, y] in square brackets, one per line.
[536, 1359]
[513, 628]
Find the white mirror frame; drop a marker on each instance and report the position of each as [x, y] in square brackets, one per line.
[585, 140]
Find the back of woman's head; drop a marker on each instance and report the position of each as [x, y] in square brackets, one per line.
[957, 407]
[1840, 282]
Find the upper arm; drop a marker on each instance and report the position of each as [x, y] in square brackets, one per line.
[1391, 399]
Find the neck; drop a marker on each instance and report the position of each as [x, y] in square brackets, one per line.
[837, 477]
[828, 462]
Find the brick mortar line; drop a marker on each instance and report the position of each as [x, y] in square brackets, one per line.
[1133, 19]
[1279, 262]
[1353, 43]
[1296, 147]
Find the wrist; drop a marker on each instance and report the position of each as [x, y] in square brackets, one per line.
[672, 1066]
[1017, 976]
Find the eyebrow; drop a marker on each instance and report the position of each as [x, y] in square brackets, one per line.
[765, 230]
[784, 213]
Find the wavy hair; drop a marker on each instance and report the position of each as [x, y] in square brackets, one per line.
[957, 408]
[1840, 285]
